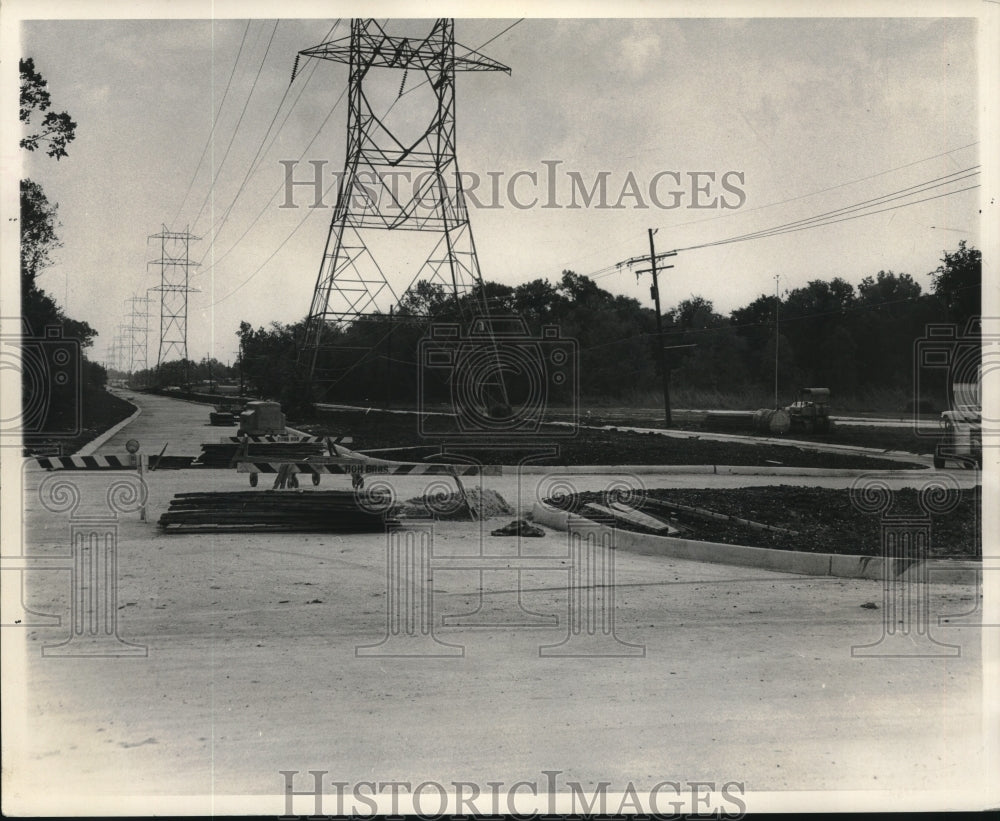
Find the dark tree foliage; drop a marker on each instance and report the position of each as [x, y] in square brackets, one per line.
[39, 223]
[958, 283]
[38, 231]
[184, 373]
[831, 334]
[38, 241]
[55, 130]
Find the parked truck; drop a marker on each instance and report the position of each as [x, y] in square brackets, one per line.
[962, 428]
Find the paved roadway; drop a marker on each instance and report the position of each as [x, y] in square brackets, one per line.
[747, 675]
[180, 425]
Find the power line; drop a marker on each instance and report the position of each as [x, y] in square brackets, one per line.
[236, 128]
[261, 152]
[325, 192]
[267, 205]
[272, 255]
[831, 188]
[864, 204]
[467, 53]
[613, 268]
[824, 219]
[218, 113]
[496, 36]
[832, 222]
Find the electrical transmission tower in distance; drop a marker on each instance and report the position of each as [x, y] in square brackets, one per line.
[175, 266]
[138, 328]
[383, 148]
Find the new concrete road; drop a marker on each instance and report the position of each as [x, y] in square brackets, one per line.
[266, 653]
[179, 424]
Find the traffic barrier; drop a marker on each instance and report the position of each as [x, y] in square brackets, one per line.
[126, 461]
[360, 467]
[283, 437]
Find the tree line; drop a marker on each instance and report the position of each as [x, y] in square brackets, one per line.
[857, 341]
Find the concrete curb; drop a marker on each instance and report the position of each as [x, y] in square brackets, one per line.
[94, 444]
[821, 447]
[938, 571]
[817, 447]
[720, 470]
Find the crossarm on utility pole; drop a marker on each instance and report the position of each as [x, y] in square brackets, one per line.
[652, 259]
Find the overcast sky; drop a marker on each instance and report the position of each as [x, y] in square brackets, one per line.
[815, 114]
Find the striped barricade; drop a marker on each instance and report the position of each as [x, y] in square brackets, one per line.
[282, 437]
[358, 468]
[124, 461]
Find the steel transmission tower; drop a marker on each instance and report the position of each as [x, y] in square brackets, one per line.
[175, 265]
[122, 346]
[138, 328]
[380, 152]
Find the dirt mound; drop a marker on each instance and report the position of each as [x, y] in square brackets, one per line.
[452, 507]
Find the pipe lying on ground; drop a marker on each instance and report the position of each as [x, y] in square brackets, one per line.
[720, 517]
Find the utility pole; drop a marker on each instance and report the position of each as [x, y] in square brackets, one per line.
[388, 364]
[777, 279]
[242, 388]
[653, 269]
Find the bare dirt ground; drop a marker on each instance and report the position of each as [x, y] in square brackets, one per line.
[826, 517]
[252, 668]
[251, 663]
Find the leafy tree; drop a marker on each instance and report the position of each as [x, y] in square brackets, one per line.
[810, 317]
[754, 325]
[717, 362]
[38, 240]
[39, 217]
[38, 232]
[57, 130]
[537, 301]
[958, 282]
[888, 293]
[891, 314]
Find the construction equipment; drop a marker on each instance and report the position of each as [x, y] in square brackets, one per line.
[262, 417]
[772, 421]
[340, 460]
[811, 413]
[227, 412]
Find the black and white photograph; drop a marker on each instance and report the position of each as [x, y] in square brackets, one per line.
[573, 408]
